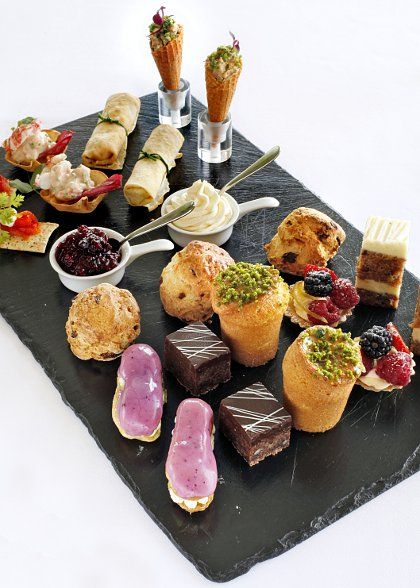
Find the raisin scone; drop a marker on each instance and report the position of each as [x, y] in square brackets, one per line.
[306, 236]
[186, 281]
[103, 321]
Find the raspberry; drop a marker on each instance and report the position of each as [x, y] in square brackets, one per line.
[325, 309]
[344, 294]
[318, 283]
[367, 362]
[395, 368]
[376, 342]
[397, 340]
[317, 268]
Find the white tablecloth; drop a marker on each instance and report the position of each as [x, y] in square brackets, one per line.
[336, 84]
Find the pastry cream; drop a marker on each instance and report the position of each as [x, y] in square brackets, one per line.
[211, 211]
[378, 287]
[386, 236]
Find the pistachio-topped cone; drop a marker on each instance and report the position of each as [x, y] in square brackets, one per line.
[320, 369]
[250, 300]
[222, 69]
[166, 40]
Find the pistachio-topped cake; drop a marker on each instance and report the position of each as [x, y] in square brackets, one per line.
[380, 266]
[320, 369]
[250, 300]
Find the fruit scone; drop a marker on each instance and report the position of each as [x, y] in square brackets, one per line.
[322, 298]
[388, 362]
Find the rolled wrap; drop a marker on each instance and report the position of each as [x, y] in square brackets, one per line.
[148, 182]
[107, 146]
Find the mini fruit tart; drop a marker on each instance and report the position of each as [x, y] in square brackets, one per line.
[388, 362]
[78, 189]
[322, 298]
[30, 145]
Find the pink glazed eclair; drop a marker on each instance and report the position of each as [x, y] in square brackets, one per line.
[138, 401]
[191, 467]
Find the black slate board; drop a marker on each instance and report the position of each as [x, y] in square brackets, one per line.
[258, 512]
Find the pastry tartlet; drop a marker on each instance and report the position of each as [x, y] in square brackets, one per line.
[83, 205]
[320, 369]
[322, 298]
[388, 361]
[102, 322]
[186, 281]
[305, 236]
[250, 300]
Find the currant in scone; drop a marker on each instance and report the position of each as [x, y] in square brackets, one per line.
[322, 298]
[388, 362]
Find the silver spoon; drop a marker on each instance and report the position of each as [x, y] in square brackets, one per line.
[170, 217]
[264, 160]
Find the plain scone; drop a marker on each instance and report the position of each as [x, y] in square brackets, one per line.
[186, 281]
[306, 236]
[103, 321]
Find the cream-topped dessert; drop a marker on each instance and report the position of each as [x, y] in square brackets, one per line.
[322, 298]
[388, 362]
[63, 181]
[212, 211]
[380, 266]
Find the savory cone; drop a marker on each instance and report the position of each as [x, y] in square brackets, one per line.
[166, 39]
[250, 300]
[222, 69]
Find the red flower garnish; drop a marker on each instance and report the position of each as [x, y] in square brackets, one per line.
[5, 185]
[25, 225]
[397, 340]
[159, 16]
[317, 268]
[63, 140]
[235, 43]
[112, 183]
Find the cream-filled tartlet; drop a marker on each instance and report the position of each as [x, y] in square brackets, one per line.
[78, 189]
[322, 298]
[250, 300]
[388, 361]
[212, 210]
[30, 144]
[320, 369]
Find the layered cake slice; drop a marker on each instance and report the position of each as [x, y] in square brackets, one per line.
[415, 325]
[380, 266]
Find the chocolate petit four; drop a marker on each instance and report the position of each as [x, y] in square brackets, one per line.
[256, 423]
[380, 266]
[199, 360]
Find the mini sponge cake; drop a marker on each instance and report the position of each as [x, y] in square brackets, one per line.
[306, 236]
[186, 281]
[103, 321]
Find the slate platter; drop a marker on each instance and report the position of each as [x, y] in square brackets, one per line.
[258, 512]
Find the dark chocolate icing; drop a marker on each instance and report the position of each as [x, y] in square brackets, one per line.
[198, 343]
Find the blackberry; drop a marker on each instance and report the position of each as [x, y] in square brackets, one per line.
[376, 342]
[318, 283]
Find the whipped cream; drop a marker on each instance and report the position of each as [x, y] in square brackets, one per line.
[28, 141]
[64, 182]
[211, 211]
[189, 502]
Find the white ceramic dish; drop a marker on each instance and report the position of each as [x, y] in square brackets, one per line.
[129, 253]
[220, 235]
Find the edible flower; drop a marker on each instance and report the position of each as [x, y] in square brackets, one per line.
[235, 43]
[158, 17]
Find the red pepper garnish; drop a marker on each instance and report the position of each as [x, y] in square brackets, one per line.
[5, 185]
[63, 140]
[112, 183]
[25, 225]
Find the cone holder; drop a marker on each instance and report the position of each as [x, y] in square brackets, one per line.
[214, 139]
[175, 105]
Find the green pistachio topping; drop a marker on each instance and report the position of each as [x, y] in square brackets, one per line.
[334, 354]
[167, 31]
[244, 282]
[225, 53]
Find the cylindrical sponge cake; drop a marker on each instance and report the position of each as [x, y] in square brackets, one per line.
[320, 369]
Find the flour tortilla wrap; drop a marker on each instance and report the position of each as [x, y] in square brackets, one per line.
[106, 148]
[148, 182]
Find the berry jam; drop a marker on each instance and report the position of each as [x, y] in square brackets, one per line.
[86, 252]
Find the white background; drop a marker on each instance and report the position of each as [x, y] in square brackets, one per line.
[337, 85]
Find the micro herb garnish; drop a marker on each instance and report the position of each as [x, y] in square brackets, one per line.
[25, 121]
[244, 282]
[161, 26]
[9, 201]
[227, 53]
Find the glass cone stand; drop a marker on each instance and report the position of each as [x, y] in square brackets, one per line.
[214, 139]
[175, 105]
